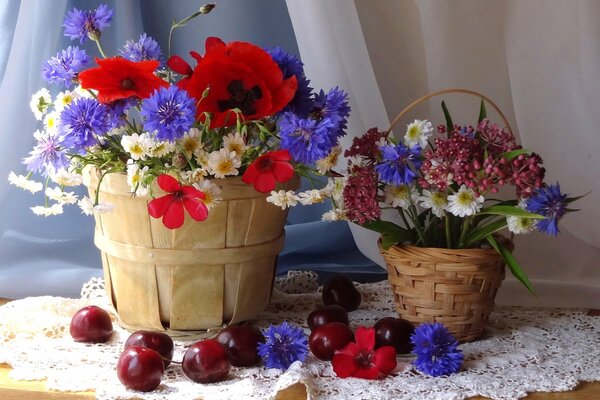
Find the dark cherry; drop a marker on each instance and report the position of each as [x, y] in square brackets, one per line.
[206, 361]
[91, 324]
[158, 341]
[326, 314]
[324, 340]
[390, 331]
[241, 344]
[341, 291]
[140, 368]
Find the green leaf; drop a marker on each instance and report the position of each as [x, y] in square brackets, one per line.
[512, 263]
[510, 211]
[383, 227]
[509, 155]
[449, 123]
[482, 111]
[388, 241]
[483, 231]
[572, 199]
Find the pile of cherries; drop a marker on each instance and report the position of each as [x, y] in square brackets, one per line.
[147, 354]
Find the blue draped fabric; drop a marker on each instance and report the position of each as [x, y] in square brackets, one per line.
[56, 255]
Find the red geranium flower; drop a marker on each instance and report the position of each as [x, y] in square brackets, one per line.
[360, 360]
[170, 206]
[238, 75]
[269, 168]
[117, 78]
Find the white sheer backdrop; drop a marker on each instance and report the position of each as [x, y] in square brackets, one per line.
[539, 60]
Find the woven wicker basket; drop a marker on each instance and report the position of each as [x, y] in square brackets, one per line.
[198, 277]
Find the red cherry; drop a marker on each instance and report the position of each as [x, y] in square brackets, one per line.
[140, 368]
[396, 332]
[326, 314]
[341, 291]
[158, 341]
[91, 324]
[206, 361]
[324, 340]
[241, 343]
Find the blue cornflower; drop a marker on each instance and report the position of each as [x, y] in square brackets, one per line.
[144, 49]
[396, 169]
[290, 65]
[333, 106]
[82, 121]
[306, 139]
[48, 155]
[64, 67]
[284, 344]
[436, 350]
[552, 204]
[170, 112]
[87, 24]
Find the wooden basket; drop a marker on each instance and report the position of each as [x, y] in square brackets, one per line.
[454, 287]
[198, 277]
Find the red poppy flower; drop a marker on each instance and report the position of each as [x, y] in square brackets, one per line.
[269, 168]
[360, 360]
[238, 75]
[170, 206]
[117, 78]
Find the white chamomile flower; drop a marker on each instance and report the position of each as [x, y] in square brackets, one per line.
[135, 178]
[191, 142]
[223, 163]
[465, 202]
[58, 195]
[138, 146]
[117, 131]
[54, 209]
[52, 121]
[23, 182]
[162, 148]
[283, 199]
[435, 200]
[357, 161]
[65, 178]
[88, 208]
[80, 92]
[63, 99]
[519, 225]
[401, 196]
[337, 214]
[202, 159]
[39, 103]
[325, 165]
[194, 176]
[212, 193]
[335, 189]
[417, 133]
[235, 142]
[312, 196]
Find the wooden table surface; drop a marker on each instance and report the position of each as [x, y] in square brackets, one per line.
[36, 390]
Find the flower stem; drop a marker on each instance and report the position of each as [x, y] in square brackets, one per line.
[465, 228]
[100, 49]
[448, 234]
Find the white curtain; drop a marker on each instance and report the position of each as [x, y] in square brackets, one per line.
[539, 60]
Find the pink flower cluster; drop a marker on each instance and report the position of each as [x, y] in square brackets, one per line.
[366, 145]
[360, 195]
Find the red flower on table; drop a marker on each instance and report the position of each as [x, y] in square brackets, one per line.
[269, 168]
[117, 78]
[170, 206]
[360, 360]
[237, 75]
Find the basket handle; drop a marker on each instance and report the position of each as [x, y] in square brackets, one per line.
[445, 91]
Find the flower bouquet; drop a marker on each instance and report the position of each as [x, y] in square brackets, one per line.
[154, 138]
[444, 254]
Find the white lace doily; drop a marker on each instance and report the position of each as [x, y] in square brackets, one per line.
[523, 350]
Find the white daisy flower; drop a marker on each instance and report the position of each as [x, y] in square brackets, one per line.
[23, 182]
[401, 196]
[58, 195]
[283, 199]
[85, 93]
[222, 163]
[63, 99]
[52, 121]
[202, 159]
[161, 149]
[191, 142]
[194, 176]
[138, 146]
[465, 202]
[337, 214]
[325, 165]
[212, 193]
[65, 178]
[54, 209]
[312, 196]
[117, 131]
[435, 200]
[417, 133]
[135, 178]
[88, 208]
[518, 225]
[335, 189]
[39, 103]
[235, 142]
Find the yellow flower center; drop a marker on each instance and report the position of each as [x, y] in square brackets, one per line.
[465, 198]
[414, 132]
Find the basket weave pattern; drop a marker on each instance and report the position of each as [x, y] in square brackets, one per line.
[454, 287]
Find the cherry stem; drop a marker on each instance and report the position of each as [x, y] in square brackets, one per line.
[171, 361]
